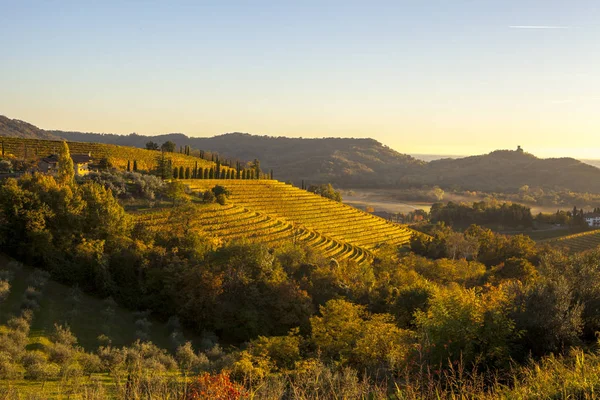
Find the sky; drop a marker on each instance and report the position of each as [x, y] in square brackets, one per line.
[421, 76]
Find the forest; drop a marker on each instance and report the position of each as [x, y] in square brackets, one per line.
[458, 314]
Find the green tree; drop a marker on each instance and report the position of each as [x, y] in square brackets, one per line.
[66, 171]
[128, 166]
[152, 146]
[187, 173]
[168, 147]
[176, 192]
[135, 167]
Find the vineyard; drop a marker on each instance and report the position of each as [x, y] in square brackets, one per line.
[116, 155]
[232, 222]
[578, 242]
[270, 211]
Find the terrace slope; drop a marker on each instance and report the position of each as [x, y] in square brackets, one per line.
[307, 212]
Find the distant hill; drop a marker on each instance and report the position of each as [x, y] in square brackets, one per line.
[347, 162]
[366, 163]
[505, 170]
[16, 128]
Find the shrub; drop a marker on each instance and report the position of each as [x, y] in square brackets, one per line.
[4, 289]
[215, 387]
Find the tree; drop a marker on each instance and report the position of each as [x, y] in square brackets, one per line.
[326, 191]
[175, 172]
[256, 168]
[163, 167]
[181, 174]
[211, 174]
[128, 166]
[187, 173]
[200, 173]
[66, 171]
[152, 146]
[169, 147]
[135, 167]
[176, 192]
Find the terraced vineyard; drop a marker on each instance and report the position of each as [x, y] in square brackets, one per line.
[578, 242]
[117, 155]
[233, 222]
[270, 210]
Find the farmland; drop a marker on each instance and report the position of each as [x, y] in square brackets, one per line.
[577, 242]
[271, 211]
[118, 156]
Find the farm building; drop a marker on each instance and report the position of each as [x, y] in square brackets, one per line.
[592, 219]
[49, 165]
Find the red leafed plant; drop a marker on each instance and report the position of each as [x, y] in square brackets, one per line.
[215, 387]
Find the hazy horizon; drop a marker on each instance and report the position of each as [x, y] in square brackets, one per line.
[432, 77]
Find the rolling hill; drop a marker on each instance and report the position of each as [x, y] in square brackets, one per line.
[270, 211]
[118, 156]
[364, 163]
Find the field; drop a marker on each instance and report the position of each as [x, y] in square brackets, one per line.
[270, 211]
[87, 316]
[117, 155]
[577, 242]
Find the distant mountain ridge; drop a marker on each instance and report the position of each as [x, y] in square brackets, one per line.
[22, 129]
[365, 163]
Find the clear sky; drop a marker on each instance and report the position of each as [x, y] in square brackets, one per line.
[422, 76]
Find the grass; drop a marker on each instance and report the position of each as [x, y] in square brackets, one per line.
[88, 321]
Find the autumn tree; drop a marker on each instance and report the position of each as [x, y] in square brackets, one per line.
[66, 171]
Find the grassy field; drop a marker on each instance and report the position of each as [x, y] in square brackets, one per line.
[87, 316]
[117, 155]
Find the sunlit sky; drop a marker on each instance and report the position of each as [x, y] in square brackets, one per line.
[421, 76]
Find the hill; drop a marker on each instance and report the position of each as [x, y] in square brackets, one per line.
[346, 162]
[366, 163]
[506, 170]
[118, 156]
[356, 163]
[21, 129]
[269, 211]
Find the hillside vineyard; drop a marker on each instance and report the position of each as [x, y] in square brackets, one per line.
[118, 156]
[339, 230]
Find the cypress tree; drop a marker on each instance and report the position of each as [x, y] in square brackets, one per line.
[134, 165]
[200, 173]
[187, 173]
[206, 173]
[237, 170]
[196, 170]
[218, 170]
[212, 157]
[211, 174]
[271, 174]
[243, 174]
[128, 166]
[223, 174]
[175, 173]
[181, 173]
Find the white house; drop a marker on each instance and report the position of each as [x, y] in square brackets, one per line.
[592, 219]
[49, 165]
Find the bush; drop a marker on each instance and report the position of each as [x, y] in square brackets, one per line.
[4, 289]
[215, 387]
[209, 197]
